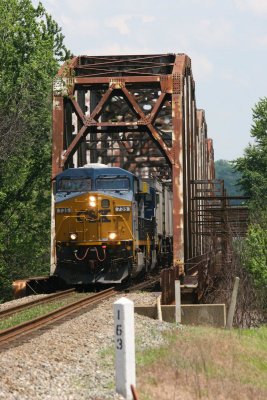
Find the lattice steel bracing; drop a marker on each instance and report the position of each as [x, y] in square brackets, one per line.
[139, 113]
[218, 220]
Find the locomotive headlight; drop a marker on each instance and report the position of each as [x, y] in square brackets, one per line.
[73, 236]
[92, 201]
[112, 235]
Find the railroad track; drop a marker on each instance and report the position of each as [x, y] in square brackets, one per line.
[66, 293]
[26, 328]
[144, 285]
[47, 299]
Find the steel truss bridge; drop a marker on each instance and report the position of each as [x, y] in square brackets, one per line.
[139, 112]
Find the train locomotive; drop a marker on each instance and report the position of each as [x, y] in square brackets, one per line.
[110, 224]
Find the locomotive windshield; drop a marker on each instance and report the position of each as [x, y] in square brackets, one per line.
[74, 185]
[112, 183]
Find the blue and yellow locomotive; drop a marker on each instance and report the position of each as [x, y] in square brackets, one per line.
[105, 225]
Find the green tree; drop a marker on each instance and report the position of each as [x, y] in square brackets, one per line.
[256, 253]
[31, 47]
[226, 171]
[253, 167]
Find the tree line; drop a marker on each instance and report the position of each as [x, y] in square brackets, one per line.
[253, 168]
[32, 47]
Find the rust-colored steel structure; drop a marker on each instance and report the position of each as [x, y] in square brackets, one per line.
[139, 112]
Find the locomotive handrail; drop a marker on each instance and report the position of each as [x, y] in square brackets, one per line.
[124, 220]
[64, 219]
[69, 217]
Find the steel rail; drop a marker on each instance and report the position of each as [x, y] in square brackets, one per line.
[143, 285]
[25, 328]
[43, 300]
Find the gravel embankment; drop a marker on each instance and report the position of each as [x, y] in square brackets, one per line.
[75, 359]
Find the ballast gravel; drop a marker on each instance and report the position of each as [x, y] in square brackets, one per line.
[74, 360]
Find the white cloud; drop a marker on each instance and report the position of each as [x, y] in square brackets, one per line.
[262, 40]
[147, 18]
[121, 22]
[204, 32]
[77, 8]
[205, 3]
[241, 78]
[258, 7]
[117, 49]
[214, 32]
[89, 27]
[201, 66]
[52, 2]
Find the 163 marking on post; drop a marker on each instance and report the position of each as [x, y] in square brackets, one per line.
[119, 332]
[124, 346]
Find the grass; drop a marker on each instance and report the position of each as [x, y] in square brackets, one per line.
[107, 357]
[205, 363]
[29, 314]
[33, 312]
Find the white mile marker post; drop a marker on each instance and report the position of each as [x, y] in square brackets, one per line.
[177, 302]
[124, 347]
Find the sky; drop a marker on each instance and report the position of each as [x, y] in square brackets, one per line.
[225, 39]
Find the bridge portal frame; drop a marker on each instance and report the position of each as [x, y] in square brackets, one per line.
[188, 155]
